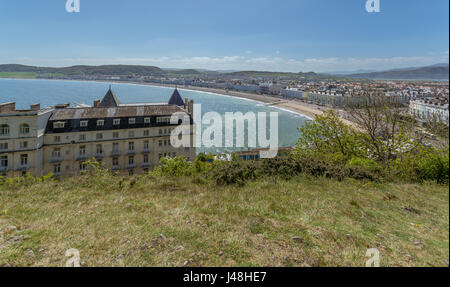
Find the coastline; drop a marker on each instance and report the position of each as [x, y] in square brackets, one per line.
[307, 110]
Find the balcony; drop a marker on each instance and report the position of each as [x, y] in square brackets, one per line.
[146, 151]
[145, 165]
[115, 153]
[131, 166]
[4, 169]
[131, 152]
[82, 157]
[22, 167]
[116, 168]
[55, 159]
[99, 155]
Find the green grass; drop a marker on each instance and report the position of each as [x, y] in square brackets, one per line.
[18, 75]
[115, 221]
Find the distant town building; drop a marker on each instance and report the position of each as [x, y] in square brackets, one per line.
[430, 109]
[128, 138]
[292, 93]
[347, 100]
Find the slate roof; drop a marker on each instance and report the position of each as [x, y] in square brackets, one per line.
[114, 112]
[109, 100]
[176, 99]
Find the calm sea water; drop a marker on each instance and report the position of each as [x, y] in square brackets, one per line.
[48, 93]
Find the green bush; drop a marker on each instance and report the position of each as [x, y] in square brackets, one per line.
[433, 167]
[175, 167]
[234, 172]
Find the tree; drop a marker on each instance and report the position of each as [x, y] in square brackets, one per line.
[388, 129]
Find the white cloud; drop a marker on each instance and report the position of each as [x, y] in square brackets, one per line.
[258, 63]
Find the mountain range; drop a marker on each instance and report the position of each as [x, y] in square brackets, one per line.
[439, 72]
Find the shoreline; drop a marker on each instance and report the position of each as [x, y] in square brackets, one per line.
[309, 111]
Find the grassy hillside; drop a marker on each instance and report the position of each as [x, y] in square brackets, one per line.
[436, 72]
[159, 221]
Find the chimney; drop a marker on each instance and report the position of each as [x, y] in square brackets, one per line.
[186, 104]
[8, 107]
[35, 107]
[96, 103]
[191, 108]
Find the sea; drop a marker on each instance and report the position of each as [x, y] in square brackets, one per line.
[51, 92]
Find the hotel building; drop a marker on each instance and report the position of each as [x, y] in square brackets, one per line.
[127, 138]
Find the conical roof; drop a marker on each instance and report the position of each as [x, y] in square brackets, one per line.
[176, 99]
[109, 100]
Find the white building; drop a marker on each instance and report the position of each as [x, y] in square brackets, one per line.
[428, 109]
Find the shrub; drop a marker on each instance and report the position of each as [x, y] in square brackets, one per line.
[177, 166]
[234, 172]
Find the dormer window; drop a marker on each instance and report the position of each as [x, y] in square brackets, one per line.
[132, 121]
[100, 123]
[163, 120]
[24, 129]
[59, 125]
[4, 130]
[146, 120]
[83, 124]
[116, 122]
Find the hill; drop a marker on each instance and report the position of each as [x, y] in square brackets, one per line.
[110, 70]
[148, 221]
[434, 72]
[12, 70]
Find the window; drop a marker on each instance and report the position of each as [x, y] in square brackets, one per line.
[99, 136]
[131, 146]
[3, 146]
[145, 158]
[57, 139]
[132, 121]
[56, 153]
[115, 161]
[160, 131]
[100, 123]
[99, 149]
[57, 169]
[59, 125]
[160, 156]
[24, 159]
[146, 145]
[131, 160]
[82, 137]
[116, 122]
[4, 161]
[115, 147]
[131, 134]
[146, 133]
[4, 130]
[23, 144]
[115, 135]
[163, 120]
[82, 150]
[160, 143]
[82, 166]
[146, 120]
[25, 129]
[83, 124]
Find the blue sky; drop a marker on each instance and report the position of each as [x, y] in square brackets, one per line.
[283, 35]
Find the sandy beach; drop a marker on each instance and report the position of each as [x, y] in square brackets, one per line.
[297, 106]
